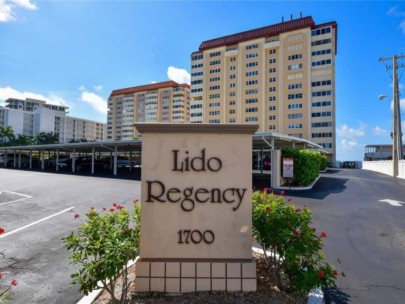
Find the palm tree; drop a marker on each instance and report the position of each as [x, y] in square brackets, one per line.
[6, 134]
[22, 140]
[45, 138]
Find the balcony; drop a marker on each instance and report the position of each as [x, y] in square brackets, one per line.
[272, 44]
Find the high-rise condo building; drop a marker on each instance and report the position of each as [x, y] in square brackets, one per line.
[167, 102]
[280, 76]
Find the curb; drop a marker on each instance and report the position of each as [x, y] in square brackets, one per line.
[300, 188]
[314, 297]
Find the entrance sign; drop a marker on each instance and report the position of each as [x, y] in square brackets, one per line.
[196, 218]
[288, 167]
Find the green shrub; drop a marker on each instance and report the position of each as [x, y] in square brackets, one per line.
[307, 164]
[296, 259]
[103, 246]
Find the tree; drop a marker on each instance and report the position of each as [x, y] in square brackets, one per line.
[46, 138]
[22, 140]
[6, 134]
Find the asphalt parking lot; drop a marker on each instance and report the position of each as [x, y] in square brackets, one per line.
[36, 210]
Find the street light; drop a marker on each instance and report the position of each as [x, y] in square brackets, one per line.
[396, 133]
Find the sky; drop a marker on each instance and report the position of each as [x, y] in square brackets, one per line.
[76, 52]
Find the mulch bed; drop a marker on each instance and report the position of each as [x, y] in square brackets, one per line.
[266, 292]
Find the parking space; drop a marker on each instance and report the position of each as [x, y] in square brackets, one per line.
[36, 210]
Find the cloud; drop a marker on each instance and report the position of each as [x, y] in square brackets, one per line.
[401, 105]
[9, 92]
[350, 133]
[380, 131]
[8, 8]
[95, 101]
[348, 144]
[82, 88]
[178, 75]
[395, 12]
[98, 87]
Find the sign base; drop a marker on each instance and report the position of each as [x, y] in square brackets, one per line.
[187, 275]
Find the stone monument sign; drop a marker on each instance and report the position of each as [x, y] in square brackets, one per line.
[196, 218]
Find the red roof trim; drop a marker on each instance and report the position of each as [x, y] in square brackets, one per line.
[267, 31]
[149, 87]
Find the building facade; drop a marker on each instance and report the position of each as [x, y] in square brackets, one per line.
[281, 77]
[167, 102]
[31, 116]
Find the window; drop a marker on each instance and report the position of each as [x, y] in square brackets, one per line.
[321, 83]
[215, 54]
[272, 79]
[233, 59]
[252, 46]
[231, 120]
[252, 91]
[322, 52]
[322, 135]
[197, 81]
[272, 108]
[272, 60]
[272, 70]
[272, 127]
[214, 113]
[295, 106]
[215, 71]
[295, 116]
[296, 66]
[214, 104]
[321, 104]
[232, 85]
[232, 76]
[196, 114]
[196, 57]
[295, 126]
[322, 114]
[195, 66]
[232, 94]
[272, 117]
[212, 79]
[295, 57]
[232, 103]
[217, 87]
[213, 96]
[196, 74]
[272, 51]
[251, 64]
[321, 62]
[214, 62]
[196, 90]
[214, 121]
[321, 31]
[321, 93]
[196, 106]
[251, 110]
[272, 98]
[251, 82]
[272, 89]
[252, 55]
[233, 67]
[294, 86]
[326, 145]
[321, 124]
[252, 73]
[320, 42]
[232, 111]
[251, 100]
[250, 119]
[295, 96]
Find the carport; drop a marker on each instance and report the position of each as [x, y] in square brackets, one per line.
[95, 150]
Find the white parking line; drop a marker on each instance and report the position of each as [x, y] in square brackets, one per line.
[15, 193]
[34, 223]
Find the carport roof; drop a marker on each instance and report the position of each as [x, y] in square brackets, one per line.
[258, 140]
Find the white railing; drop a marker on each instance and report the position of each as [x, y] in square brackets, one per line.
[385, 167]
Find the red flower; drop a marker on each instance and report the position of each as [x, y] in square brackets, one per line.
[268, 209]
[1, 275]
[115, 204]
[335, 273]
[135, 201]
[323, 234]
[282, 192]
[321, 274]
[298, 210]
[2, 230]
[265, 190]
[14, 282]
[112, 210]
[119, 207]
[76, 216]
[104, 209]
[296, 233]
[289, 200]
